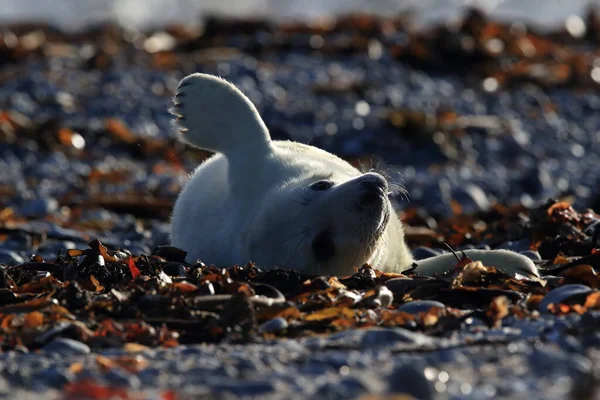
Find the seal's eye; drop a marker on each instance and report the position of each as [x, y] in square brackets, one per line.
[321, 185]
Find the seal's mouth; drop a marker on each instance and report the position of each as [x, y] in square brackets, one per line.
[323, 246]
[381, 225]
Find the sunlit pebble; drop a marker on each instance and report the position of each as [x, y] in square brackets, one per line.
[344, 370]
[430, 373]
[577, 150]
[33, 40]
[77, 141]
[375, 49]
[160, 41]
[362, 108]
[575, 26]
[466, 389]
[495, 45]
[87, 51]
[527, 48]
[440, 387]
[316, 41]
[443, 376]
[331, 129]
[490, 84]
[596, 74]
[518, 29]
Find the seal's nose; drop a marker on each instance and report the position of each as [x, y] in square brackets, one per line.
[374, 188]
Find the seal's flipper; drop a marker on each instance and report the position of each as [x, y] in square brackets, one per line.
[214, 115]
[509, 261]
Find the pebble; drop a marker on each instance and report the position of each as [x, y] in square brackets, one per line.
[421, 253]
[54, 376]
[119, 377]
[563, 293]
[273, 325]
[419, 306]
[532, 255]
[65, 346]
[38, 207]
[9, 257]
[409, 379]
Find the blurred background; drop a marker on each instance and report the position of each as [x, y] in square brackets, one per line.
[72, 14]
[473, 106]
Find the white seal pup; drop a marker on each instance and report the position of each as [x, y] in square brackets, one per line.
[285, 204]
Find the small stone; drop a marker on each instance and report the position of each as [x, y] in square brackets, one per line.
[533, 255]
[421, 253]
[39, 207]
[410, 380]
[563, 293]
[66, 346]
[274, 325]
[10, 257]
[388, 336]
[120, 377]
[54, 376]
[419, 306]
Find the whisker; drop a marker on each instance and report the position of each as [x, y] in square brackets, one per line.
[302, 231]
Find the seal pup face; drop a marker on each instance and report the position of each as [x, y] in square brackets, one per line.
[324, 216]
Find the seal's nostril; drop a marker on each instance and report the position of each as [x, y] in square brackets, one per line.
[371, 185]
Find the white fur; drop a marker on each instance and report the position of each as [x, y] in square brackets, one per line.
[254, 201]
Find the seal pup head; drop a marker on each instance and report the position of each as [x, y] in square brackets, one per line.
[285, 204]
[324, 216]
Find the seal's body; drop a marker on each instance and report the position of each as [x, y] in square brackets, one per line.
[285, 204]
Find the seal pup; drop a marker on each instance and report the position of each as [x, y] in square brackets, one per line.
[286, 204]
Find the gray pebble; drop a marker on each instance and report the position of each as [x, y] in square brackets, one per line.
[54, 376]
[66, 346]
[419, 306]
[410, 379]
[562, 293]
[533, 255]
[421, 253]
[274, 325]
[388, 336]
[39, 207]
[119, 377]
[10, 257]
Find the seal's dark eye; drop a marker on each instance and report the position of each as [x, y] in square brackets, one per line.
[321, 185]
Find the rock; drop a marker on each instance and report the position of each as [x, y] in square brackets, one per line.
[564, 293]
[533, 255]
[66, 346]
[419, 306]
[54, 376]
[274, 325]
[38, 207]
[421, 253]
[410, 380]
[10, 257]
